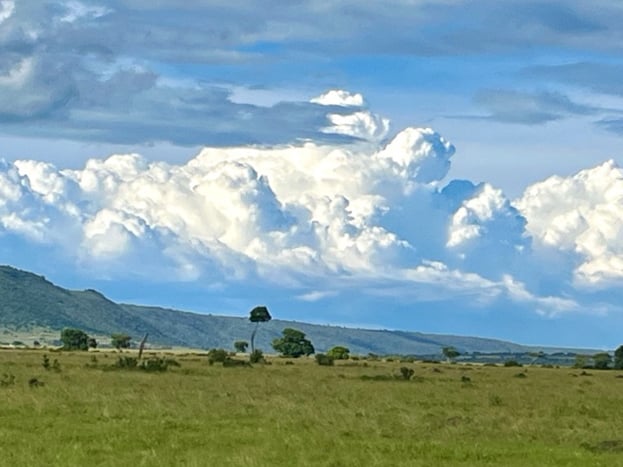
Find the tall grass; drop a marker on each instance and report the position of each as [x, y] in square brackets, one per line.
[305, 414]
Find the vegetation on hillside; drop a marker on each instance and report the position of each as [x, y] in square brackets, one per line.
[30, 302]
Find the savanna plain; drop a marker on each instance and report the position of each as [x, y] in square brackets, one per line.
[81, 409]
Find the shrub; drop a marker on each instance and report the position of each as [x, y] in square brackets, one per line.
[8, 379]
[324, 360]
[217, 356]
[406, 373]
[511, 363]
[339, 352]
[154, 364]
[257, 356]
[126, 362]
[233, 362]
[35, 383]
[55, 365]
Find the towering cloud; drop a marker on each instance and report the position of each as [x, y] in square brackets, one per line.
[583, 215]
[317, 215]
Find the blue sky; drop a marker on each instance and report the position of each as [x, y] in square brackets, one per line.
[443, 166]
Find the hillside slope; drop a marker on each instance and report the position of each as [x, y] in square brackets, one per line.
[29, 301]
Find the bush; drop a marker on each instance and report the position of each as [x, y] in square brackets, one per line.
[217, 356]
[154, 364]
[339, 352]
[511, 363]
[126, 362]
[35, 383]
[406, 373]
[7, 380]
[233, 362]
[55, 365]
[324, 360]
[257, 356]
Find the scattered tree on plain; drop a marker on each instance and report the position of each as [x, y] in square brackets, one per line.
[618, 358]
[293, 344]
[450, 353]
[120, 341]
[92, 343]
[258, 315]
[339, 352]
[241, 346]
[602, 360]
[74, 339]
[581, 361]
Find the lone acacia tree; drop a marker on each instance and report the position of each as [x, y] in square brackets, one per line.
[258, 315]
[450, 353]
[120, 341]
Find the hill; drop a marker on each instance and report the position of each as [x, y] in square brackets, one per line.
[30, 303]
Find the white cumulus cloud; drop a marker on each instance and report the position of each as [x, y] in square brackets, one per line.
[582, 214]
[318, 216]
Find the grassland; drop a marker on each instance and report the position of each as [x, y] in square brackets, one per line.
[355, 413]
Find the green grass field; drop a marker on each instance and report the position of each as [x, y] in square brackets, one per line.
[351, 414]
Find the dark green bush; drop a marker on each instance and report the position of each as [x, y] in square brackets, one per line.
[511, 363]
[127, 362]
[324, 360]
[233, 362]
[406, 373]
[7, 380]
[257, 356]
[217, 356]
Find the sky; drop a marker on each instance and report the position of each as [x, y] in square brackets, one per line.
[442, 166]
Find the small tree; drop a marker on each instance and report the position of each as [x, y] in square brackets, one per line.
[450, 353]
[339, 352]
[293, 344]
[241, 346]
[602, 360]
[120, 341]
[92, 343]
[618, 358]
[581, 361]
[74, 339]
[258, 315]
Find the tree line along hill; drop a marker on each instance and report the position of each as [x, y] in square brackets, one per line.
[30, 304]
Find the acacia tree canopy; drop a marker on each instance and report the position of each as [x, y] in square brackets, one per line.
[257, 315]
[293, 344]
[120, 341]
[74, 339]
